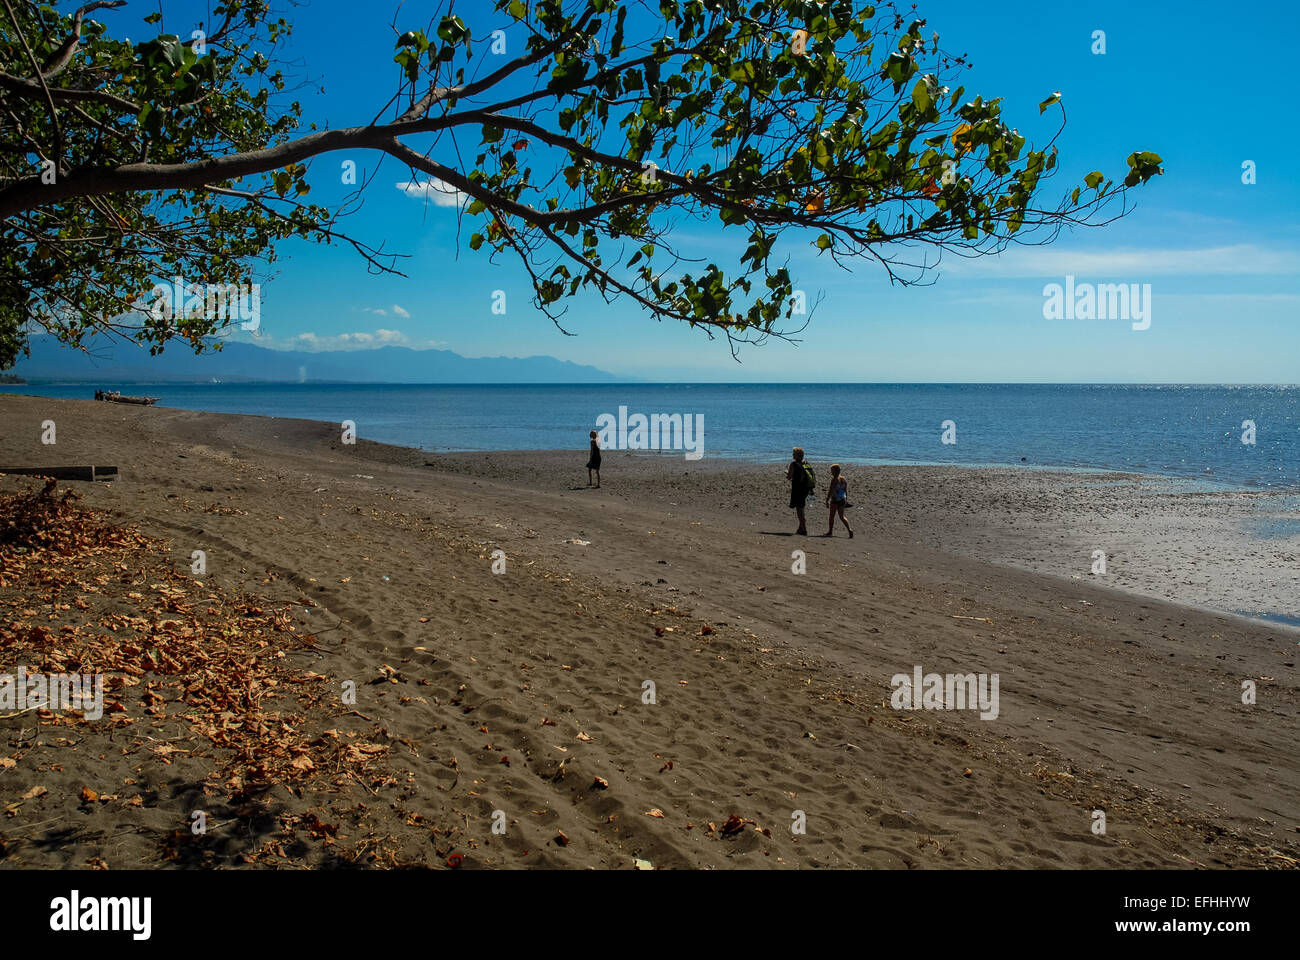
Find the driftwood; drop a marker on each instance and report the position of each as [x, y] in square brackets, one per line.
[65, 473]
[114, 396]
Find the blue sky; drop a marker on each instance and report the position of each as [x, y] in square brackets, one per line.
[1222, 258]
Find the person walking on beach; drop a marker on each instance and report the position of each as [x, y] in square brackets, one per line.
[837, 498]
[593, 463]
[800, 488]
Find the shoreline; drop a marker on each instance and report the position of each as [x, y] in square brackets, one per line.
[773, 688]
[1049, 452]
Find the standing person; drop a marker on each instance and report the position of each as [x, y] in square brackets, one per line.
[797, 474]
[837, 498]
[593, 462]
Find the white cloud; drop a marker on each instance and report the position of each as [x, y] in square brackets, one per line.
[358, 340]
[399, 311]
[434, 190]
[1237, 259]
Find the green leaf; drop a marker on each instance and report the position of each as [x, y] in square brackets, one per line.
[821, 153]
[921, 95]
[452, 30]
[742, 71]
[1142, 167]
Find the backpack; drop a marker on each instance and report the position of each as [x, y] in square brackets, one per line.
[810, 478]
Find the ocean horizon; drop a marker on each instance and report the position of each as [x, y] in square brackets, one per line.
[1243, 436]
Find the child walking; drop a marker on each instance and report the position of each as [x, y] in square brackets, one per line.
[837, 498]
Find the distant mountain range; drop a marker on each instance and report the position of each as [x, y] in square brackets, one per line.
[116, 362]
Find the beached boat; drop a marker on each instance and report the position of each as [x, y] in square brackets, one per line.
[113, 396]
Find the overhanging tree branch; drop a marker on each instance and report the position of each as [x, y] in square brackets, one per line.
[776, 121]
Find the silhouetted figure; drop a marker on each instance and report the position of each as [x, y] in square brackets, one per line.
[593, 463]
[800, 487]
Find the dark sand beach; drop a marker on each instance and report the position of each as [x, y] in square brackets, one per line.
[523, 692]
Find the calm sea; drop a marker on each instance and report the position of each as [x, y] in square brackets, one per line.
[1180, 431]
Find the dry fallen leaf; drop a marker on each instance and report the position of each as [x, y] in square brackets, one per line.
[600, 783]
[656, 813]
[213, 659]
[734, 825]
[34, 792]
[584, 738]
